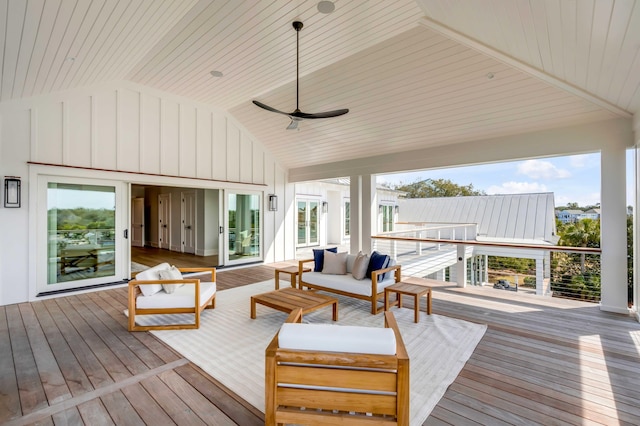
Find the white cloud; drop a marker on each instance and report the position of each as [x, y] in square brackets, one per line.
[583, 200]
[579, 161]
[517, 188]
[538, 169]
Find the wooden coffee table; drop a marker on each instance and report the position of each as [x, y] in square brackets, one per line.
[292, 271]
[411, 287]
[288, 299]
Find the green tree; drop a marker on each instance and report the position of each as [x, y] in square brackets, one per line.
[583, 233]
[430, 188]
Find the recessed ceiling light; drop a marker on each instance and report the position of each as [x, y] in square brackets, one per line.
[326, 6]
[216, 74]
[490, 76]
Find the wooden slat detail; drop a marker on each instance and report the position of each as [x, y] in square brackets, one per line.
[52, 378]
[74, 375]
[170, 402]
[148, 409]
[93, 412]
[69, 417]
[9, 396]
[234, 407]
[291, 416]
[121, 409]
[342, 401]
[346, 359]
[347, 379]
[32, 395]
[195, 400]
[89, 362]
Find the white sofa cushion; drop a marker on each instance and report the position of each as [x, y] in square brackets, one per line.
[335, 263]
[337, 338]
[183, 297]
[360, 265]
[151, 274]
[346, 282]
[172, 273]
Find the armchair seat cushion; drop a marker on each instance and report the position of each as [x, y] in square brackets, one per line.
[182, 297]
[333, 338]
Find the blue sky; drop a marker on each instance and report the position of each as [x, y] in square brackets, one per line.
[573, 178]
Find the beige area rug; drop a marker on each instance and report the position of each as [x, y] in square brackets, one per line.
[230, 345]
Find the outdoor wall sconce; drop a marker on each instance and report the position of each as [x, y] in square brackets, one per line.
[273, 202]
[397, 209]
[12, 191]
[325, 207]
[380, 208]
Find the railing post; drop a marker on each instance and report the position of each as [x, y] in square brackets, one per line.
[419, 243]
[461, 266]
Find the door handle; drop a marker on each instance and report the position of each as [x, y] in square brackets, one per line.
[221, 229]
[188, 227]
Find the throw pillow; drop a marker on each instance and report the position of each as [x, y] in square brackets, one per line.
[360, 266]
[377, 261]
[335, 263]
[172, 273]
[318, 257]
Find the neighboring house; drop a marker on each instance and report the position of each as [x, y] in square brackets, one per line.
[525, 219]
[570, 216]
[323, 212]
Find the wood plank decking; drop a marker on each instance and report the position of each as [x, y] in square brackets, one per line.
[71, 360]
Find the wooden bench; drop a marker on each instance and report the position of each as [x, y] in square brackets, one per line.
[314, 386]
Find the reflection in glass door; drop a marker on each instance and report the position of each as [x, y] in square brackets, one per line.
[243, 225]
[81, 235]
[308, 223]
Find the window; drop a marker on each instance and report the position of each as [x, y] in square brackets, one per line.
[347, 218]
[387, 218]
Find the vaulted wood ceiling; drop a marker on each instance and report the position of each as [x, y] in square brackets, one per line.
[414, 74]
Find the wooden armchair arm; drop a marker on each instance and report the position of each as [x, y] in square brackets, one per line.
[301, 264]
[203, 269]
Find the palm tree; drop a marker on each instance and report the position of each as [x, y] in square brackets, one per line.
[583, 233]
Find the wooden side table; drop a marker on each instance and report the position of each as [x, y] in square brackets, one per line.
[292, 271]
[410, 289]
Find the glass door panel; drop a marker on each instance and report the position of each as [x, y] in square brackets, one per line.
[243, 225]
[302, 223]
[308, 223]
[314, 218]
[82, 221]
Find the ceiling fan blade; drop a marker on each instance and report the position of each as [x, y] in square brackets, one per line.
[327, 114]
[268, 108]
[293, 125]
[298, 115]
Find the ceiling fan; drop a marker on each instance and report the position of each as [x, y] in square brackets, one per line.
[296, 116]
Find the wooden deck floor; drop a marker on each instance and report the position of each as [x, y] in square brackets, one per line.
[70, 360]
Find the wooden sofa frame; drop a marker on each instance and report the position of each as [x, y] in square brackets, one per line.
[134, 291]
[382, 383]
[375, 295]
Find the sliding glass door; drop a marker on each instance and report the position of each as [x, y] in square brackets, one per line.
[308, 223]
[243, 224]
[80, 246]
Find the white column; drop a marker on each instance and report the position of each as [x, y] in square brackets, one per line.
[636, 219]
[369, 211]
[355, 222]
[613, 228]
[461, 267]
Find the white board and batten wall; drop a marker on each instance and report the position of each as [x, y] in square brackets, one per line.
[129, 133]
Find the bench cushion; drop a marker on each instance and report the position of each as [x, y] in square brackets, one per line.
[346, 282]
[182, 297]
[337, 338]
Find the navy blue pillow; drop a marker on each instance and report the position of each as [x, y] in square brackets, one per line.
[377, 261]
[318, 257]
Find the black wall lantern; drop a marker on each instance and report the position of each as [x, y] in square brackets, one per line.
[325, 207]
[11, 191]
[273, 202]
